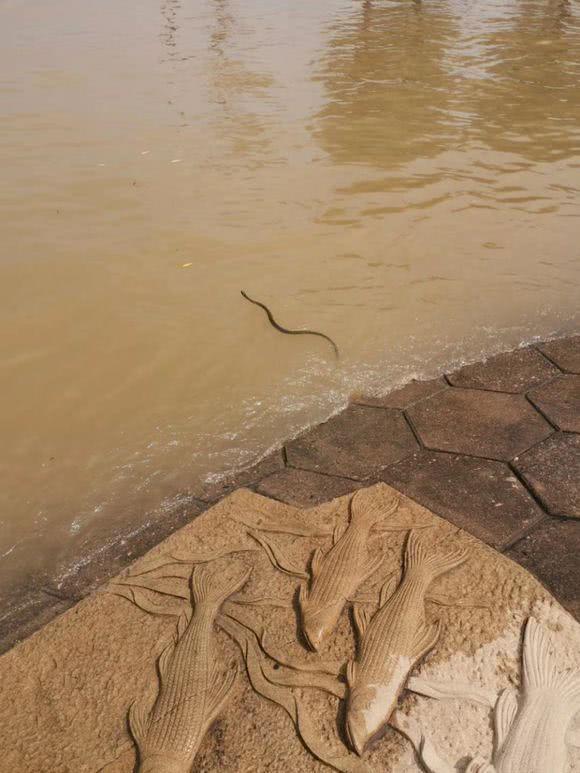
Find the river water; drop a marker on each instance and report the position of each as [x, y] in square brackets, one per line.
[403, 176]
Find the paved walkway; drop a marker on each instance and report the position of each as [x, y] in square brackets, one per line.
[494, 448]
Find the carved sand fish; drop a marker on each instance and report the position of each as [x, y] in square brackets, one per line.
[336, 575]
[192, 690]
[531, 731]
[391, 644]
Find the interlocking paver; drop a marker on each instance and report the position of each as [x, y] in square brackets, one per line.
[357, 443]
[515, 372]
[551, 553]
[216, 489]
[565, 353]
[482, 497]
[552, 470]
[560, 402]
[478, 423]
[406, 395]
[304, 488]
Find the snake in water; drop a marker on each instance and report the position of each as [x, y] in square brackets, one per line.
[285, 329]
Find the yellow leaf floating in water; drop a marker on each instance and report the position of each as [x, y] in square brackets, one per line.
[186, 265]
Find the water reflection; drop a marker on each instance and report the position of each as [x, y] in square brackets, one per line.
[529, 103]
[243, 93]
[387, 84]
[405, 81]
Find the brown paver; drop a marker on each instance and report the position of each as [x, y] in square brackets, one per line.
[210, 492]
[34, 609]
[303, 488]
[406, 395]
[357, 443]
[551, 553]
[486, 424]
[559, 401]
[515, 372]
[483, 497]
[564, 352]
[552, 470]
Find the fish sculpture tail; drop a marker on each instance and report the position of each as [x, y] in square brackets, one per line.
[206, 587]
[365, 515]
[418, 558]
[540, 666]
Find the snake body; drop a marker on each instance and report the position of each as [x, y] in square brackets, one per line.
[286, 330]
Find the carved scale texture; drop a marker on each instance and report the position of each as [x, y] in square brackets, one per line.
[179, 716]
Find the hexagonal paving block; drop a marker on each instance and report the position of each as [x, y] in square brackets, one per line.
[515, 372]
[565, 353]
[550, 552]
[560, 402]
[357, 443]
[483, 497]
[304, 488]
[407, 395]
[552, 470]
[486, 424]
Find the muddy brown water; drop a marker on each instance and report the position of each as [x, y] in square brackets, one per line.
[402, 176]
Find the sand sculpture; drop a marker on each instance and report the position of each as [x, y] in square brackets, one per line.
[192, 689]
[392, 643]
[394, 683]
[530, 736]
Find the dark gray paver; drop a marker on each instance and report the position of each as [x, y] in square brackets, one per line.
[357, 443]
[406, 395]
[515, 372]
[303, 488]
[101, 562]
[477, 423]
[564, 352]
[33, 609]
[552, 470]
[550, 552]
[483, 497]
[210, 492]
[560, 402]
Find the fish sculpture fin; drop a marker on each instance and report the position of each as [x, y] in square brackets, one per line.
[164, 658]
[425, 639]
[339, 530]
[138, 722]
[206, 586]
[219, 692]
[417, 557]
[351, 673]
[361, 619]
[182, 623]
[539, 666]
[302, 595]
[506, 709]
[450, 690]
[316, 562]
[364, 516]
[387, 590]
